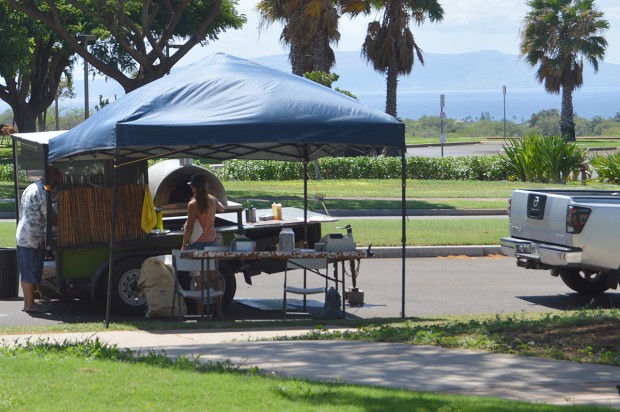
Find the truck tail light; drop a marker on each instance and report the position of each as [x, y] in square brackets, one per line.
[576, 218]
[509, 204]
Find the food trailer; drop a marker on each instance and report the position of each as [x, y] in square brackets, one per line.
[219, 108]
[79, 210]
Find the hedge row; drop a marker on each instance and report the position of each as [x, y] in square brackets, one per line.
[427, 168]
[6, 172]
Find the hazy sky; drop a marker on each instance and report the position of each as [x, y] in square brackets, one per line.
[468, 25]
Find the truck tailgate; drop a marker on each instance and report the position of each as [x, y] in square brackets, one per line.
[539, 216]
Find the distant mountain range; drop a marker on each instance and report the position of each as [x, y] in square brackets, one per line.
[442, 72]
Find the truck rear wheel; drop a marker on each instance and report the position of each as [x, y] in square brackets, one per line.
[586, 282]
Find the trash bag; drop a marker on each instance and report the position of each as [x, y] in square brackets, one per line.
[156, 285]
[332, 309]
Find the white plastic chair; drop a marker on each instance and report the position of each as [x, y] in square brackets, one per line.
[312, 265]
[210, 295]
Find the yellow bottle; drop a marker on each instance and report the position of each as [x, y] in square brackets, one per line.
[274, 210]
[160, 221]
[279, 211]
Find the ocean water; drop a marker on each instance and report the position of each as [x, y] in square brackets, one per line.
[460, 104]
[520, 103]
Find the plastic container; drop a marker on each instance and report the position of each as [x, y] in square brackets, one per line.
[250, 215]
[287, 239]
[9, 275]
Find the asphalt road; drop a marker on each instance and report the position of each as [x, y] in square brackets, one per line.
[434, 287]
[473, 149]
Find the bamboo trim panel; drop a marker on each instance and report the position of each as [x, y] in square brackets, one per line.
[85, 213]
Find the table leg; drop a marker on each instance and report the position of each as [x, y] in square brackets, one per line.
[344, 313]
[202, 287]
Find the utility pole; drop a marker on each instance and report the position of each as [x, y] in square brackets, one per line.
[85, 39]
[442, 116]
[504, 91]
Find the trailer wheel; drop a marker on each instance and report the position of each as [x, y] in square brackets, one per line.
[229, 284]
[125, 299]
[586, 282]
[231, 288]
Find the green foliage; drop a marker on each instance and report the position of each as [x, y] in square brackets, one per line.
[6, 172]
[457, 168]
[545, 122]
[327, 79]
[536, 158]
[448, 168]
[607, 167]
[259, 170]
[324, 78]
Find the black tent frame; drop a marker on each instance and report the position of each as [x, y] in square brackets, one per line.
[117, 164]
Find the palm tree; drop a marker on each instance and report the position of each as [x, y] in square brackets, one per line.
[558, 35]
[310, 27]
[389, 44]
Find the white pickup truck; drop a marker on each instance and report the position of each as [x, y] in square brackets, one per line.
[573, 233]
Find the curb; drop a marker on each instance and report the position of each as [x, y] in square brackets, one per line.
[343, 213]
[411, 146]
[435, 251]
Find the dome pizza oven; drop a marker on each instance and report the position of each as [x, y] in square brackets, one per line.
[168, 185]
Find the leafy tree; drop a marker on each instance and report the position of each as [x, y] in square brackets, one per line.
[310, 27]
[545, 122]
[32, 61]
[390, 45]
[558, 35]
[134, 37]
[327, 79]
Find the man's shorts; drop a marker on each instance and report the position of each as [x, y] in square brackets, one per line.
[30, 263]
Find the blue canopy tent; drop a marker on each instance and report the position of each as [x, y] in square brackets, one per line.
[224, 107]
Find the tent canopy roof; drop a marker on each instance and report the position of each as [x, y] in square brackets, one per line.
[224, 107]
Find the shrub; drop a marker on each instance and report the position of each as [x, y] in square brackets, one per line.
[6, 172]
[607, 167]
[460, 168]
[537, 158]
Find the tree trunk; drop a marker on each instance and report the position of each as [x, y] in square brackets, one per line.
[320, 52]
[391, 89]
[25, 119]
[390, 102]
[296, 57]
[567, 125]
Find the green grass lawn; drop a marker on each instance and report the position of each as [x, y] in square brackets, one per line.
[380, 232]
[427, 232]
[386, 194]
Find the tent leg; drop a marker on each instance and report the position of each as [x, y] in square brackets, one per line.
[305, 204]
[404, 225]
[112, 241]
